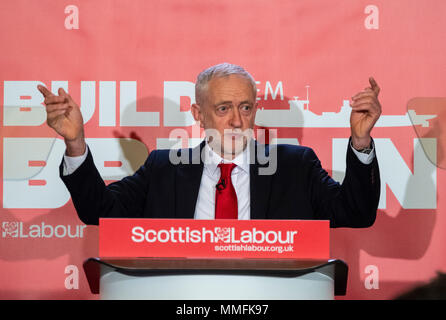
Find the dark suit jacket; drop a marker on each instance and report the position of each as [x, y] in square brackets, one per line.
[299, 189]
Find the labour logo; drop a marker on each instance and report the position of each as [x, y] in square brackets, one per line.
[10, 229]
[222, 234]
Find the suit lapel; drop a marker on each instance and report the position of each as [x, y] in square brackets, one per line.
[260, 185]
[187, 183]
[188, 180]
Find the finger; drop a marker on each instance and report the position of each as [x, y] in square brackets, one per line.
[366, 106]
[54, 99]
[365, 93]
[59, 106]
[364, 110]
[70, 100]
[44, 91]
[374, 85]
[62, 92]
[371, 100]
[54, 115]
[65, 94]
[362, 107]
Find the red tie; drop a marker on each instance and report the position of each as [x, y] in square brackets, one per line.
[225, 196]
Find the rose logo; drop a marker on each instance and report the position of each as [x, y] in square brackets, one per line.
[222, 234]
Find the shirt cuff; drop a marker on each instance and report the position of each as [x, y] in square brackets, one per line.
[70, 164]
[364, 157]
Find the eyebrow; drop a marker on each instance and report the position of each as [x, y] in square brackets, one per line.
[230, 102]
[222, 102]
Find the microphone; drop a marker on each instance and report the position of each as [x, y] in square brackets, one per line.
[221, 185]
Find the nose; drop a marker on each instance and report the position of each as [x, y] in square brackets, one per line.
[236, 120]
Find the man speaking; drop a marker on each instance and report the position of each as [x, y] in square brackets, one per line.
[222, 178]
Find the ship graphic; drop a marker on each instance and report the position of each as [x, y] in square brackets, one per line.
[299, 115]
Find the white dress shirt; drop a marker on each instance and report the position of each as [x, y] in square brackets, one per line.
[205, 206]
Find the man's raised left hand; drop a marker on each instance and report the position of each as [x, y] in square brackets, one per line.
[366, 110]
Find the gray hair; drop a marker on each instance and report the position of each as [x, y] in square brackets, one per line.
[219, 71]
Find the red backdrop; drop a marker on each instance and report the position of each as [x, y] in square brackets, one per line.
[132, 65]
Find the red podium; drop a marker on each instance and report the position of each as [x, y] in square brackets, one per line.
[215, 259]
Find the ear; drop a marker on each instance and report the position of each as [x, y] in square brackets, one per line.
[197, 114]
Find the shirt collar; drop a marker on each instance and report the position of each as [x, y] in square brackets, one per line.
[212, 159]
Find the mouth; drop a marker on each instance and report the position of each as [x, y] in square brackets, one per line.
[234, 135]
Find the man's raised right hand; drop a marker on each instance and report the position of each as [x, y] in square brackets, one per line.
[65, 117]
